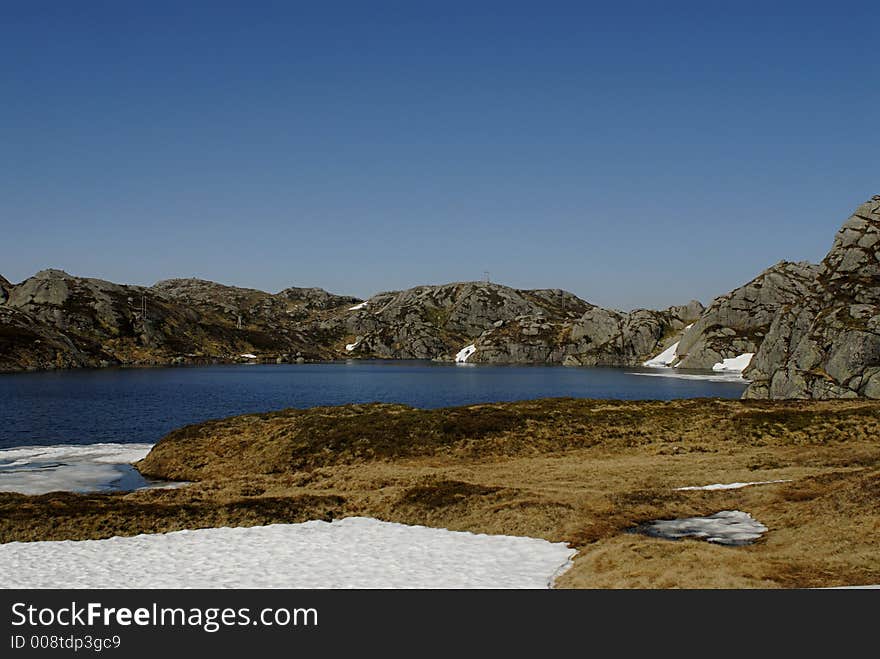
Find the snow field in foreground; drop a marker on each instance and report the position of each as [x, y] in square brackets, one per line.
[355, 552]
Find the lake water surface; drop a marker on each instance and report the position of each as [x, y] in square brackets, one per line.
[141, 405]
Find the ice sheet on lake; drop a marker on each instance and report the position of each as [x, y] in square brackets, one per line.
[75, 468]
[355, 552]
[728, 527]
[734, 364]
[729, 486]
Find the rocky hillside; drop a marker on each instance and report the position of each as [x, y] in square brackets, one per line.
[56, 320]
[255, 307]
[737, 322]
[481, 322]
[598, 337]
[827, 343]
[435, 322]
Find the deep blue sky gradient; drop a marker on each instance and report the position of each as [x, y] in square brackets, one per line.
[635, 153]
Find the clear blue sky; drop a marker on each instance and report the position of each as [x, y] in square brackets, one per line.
[635, 153]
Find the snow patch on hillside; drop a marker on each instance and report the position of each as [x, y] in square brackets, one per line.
[664, 359]
[729, 486]
[462, 356]
[734, 364]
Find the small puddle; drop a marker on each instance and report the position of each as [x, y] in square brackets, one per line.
[728, 527]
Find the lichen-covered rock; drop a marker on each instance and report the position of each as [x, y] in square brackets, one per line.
[827, 344]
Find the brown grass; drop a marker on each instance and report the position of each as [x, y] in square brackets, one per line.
[583, 472]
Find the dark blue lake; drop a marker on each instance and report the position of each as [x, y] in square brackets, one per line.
[141, 405]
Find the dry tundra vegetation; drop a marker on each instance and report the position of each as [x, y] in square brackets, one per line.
[579, 471]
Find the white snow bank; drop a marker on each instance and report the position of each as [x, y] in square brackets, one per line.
[728, 527]
[462, 356]
[729, 486]
[76, 468]
[248, 355]
[351, 346]
[355, 552]
[358, 307]
[734, 364]
[720, 377]
[664, 359]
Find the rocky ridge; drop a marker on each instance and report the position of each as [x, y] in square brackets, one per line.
[504, 325]
[56, 320]
[814, 329]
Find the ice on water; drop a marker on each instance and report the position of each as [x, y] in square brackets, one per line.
[75, 468]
